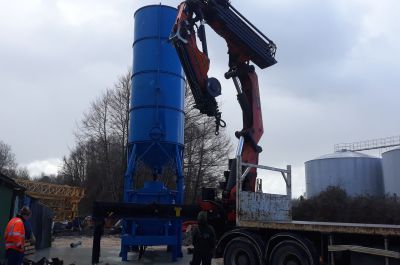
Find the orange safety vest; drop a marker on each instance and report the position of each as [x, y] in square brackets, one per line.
[15, 234]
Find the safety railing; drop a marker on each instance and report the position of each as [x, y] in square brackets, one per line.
[258, 206]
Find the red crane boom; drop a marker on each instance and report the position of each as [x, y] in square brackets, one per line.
[245, 44]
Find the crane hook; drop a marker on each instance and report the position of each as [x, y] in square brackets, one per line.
[219, 123]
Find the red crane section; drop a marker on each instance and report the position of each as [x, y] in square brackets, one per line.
[245, 44]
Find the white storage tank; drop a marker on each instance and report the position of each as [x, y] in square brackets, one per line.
[356, 173]
[391, 171]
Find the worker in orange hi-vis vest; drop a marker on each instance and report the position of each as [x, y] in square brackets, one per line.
[15, 237]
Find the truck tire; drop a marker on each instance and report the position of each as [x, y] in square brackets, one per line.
[290, 253]
[241, 251]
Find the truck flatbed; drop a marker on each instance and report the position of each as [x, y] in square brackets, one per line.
[327, 227]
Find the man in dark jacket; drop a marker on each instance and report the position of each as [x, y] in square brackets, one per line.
[203, 241]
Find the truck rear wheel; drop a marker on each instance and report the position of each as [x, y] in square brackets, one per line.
[290, 253]
[241, 251]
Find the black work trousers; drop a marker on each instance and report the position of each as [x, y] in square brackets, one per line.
[14, 257]
[201, 258]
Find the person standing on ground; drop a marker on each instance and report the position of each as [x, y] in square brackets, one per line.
[15, 236]
[203, 241]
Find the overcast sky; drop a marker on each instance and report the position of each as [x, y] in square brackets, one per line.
[337, 77]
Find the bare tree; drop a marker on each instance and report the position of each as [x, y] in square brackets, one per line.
[73, 170]
[206, 154]
[98, 161]
[119, 104]
[22, 173]
[8, 164]
[7, 159]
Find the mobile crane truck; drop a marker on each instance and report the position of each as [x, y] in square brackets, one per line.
[255, 228]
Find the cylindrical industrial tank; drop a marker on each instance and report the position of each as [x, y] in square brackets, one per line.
[157, 104]
[155, 130]
[356, 173]
[391, 171]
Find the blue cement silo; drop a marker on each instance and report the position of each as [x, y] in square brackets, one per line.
[156, 128]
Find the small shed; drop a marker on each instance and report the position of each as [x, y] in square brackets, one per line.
[41, 222]
[11, 195]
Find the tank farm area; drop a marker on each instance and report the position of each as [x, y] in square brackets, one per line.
[348, 212]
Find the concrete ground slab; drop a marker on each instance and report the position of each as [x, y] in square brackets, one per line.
[81, 255]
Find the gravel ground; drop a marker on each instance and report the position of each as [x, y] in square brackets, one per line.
[110, 246]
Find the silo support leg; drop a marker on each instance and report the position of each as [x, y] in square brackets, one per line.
[124, 252]
[128, 180]
[179, 200]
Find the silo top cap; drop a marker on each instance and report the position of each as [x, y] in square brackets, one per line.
[344, 154]
[148, 6]
[393, 150]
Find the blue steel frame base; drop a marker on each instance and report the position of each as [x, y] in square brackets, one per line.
[129, 239]
[137, 213]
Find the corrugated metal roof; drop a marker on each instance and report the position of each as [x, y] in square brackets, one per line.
[9, 182]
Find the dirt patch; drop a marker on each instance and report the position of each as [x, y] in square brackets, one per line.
[110, 247]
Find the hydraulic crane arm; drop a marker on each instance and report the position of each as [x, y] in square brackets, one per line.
[245, 43]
